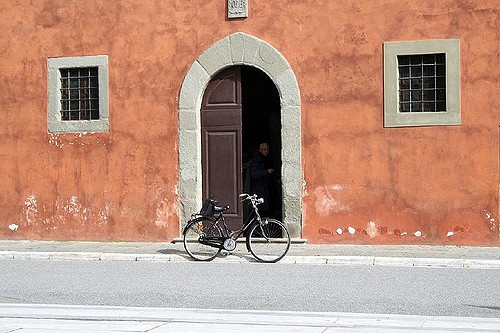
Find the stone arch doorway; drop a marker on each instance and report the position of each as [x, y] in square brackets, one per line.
[240, 49]
[240, 110]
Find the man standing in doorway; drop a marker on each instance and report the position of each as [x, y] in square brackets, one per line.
[260, 168]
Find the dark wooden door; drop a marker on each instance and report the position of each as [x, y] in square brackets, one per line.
[221, 124]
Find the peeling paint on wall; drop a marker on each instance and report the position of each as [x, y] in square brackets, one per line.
[65, 211]
[55, 141]
[165, 209]
[73, 209]
[162, 214]
[75, 139]
[491, 221]
[371, 229]
[30, 210]
[327, 201]
[375, 231]
[104, 215]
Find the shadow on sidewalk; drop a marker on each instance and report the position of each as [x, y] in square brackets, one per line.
[239, 255]
[179, 252]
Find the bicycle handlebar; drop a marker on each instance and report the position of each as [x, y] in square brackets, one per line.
[253, 198]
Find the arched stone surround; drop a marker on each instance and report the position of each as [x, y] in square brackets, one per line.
[240, 49]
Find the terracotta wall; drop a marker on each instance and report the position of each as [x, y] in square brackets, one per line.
[403, 185]
[363, 183]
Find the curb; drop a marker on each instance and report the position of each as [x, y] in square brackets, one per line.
[315, 260]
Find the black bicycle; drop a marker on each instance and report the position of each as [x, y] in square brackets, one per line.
[207, 233]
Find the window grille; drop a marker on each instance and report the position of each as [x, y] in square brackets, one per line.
[79, 93]
[422, 83]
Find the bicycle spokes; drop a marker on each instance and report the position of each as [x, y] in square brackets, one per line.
[202, 239]
[268, 241]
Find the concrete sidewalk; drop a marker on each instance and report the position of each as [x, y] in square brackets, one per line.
[386, 255]
[68, 318]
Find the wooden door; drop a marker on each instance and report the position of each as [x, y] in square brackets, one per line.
[221, 125]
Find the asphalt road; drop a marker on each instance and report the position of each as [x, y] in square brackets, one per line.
[253, 286]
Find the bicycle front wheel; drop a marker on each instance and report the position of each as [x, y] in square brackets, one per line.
[268, 241]
[198, 230]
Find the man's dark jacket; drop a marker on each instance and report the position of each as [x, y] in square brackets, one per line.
[258, 178]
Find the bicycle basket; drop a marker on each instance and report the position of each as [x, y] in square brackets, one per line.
[208, 207]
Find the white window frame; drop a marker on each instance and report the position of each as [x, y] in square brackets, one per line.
[392, 116]
[54, 122]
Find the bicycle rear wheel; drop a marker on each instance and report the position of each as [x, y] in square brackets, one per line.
[269, 241]
[199, 229]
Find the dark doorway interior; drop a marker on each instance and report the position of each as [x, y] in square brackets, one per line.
[261, 118]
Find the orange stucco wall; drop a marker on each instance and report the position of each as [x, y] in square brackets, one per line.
[363, 183]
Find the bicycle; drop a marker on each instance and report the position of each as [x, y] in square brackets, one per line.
[206, 234]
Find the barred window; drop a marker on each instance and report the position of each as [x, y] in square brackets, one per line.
[79, 93]
[422, 83]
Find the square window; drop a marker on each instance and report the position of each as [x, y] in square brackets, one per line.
[78, 94]
[82, 94]
[422, 83]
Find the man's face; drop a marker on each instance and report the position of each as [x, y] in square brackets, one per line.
[264, 150]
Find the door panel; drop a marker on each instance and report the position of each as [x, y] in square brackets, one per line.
[223, 91]
[221, 124]
[222, 170]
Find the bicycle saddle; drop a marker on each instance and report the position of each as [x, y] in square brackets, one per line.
[219, 209]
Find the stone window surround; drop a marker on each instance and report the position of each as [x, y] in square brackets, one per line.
[54, 122]
[392, 116]
[235, 50]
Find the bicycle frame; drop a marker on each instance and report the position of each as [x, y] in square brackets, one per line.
[218, 242]
[252, 218]
[205, 235]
